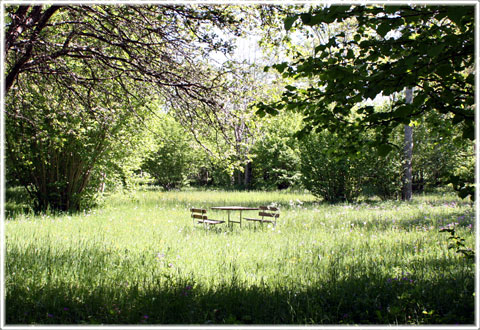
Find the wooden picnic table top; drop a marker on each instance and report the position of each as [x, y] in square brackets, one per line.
[234, 208]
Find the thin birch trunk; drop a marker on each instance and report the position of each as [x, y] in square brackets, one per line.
[407, 153]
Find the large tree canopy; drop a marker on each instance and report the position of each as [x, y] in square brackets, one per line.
[428, 48]
[425, 47]
[76, 76]
[158, 44]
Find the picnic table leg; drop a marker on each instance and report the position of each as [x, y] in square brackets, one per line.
[240, 218]
[228, 214]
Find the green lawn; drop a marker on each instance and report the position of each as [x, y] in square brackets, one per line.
[139, 260]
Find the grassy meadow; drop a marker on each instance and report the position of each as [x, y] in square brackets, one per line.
[139, 259]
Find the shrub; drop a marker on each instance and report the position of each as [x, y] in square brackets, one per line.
[171, 157]
[328, 171]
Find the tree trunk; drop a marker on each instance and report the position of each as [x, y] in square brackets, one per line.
[248, 175]
[38, 21]
[407, 153]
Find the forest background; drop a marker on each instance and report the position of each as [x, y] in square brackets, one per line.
[100, 98]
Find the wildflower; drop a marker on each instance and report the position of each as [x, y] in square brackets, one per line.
[186, 289]
[160, 255]
[49, 315]
[66, 308]
[145, 317]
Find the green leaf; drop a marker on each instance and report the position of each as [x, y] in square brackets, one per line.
[280, 67]
[271, 111]
[457, 13]
[383, 28]
[457, 119]
[288, 23]
[316, 19]
[261, 113]
[403, 111]
[435, 50]
[469, 132]
[410, 61]
[319, 48]
[306, 18]
[291, 106]
[444, 70]
[303, 133]
[392, 9]
[419, 99]
[384, 149]
[470, 79]
[350, 54]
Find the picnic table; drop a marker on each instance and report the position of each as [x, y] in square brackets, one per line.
[234, 208]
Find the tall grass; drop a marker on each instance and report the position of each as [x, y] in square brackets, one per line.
[140, 260]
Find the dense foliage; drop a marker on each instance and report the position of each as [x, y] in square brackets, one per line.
[98, 94]
[171, 158]
[59, 150]
[276, 161]
[78, 77]
[428, 48]
[334, 174]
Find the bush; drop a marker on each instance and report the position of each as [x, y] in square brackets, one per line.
[383, 175]
[328, 171]
[276, 162]
[171, 157]
[336, 174]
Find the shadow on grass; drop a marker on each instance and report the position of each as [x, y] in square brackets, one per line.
[361, 297]
[423, 222]
[17, 201]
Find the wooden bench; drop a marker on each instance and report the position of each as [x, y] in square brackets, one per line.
[268, 214]
[200, 215]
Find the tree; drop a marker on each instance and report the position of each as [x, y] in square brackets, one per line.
[440, 152]
[328, 171]
[407, 153]
[171, 158]
[430, 48]
[135, 41]
[58, 148]
[276, 153]
[78, 79]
